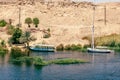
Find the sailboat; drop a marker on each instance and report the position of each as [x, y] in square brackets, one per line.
[93, 49]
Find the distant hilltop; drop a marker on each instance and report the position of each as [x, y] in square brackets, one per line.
[48, 2]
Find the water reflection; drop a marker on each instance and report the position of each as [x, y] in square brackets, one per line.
[101, 67]
[58, 55]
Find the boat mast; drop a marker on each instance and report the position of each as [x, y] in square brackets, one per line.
[93, 28]
[105, 14]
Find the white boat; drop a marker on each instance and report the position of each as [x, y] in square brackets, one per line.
[93, 49]
[42, 48]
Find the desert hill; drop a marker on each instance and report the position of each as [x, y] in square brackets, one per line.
[68, 21]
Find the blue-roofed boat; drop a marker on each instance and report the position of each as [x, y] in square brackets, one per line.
[42, 48]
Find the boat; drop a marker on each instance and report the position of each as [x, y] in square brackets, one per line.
[42, 48]
[93, 49]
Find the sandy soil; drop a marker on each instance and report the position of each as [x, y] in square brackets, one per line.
[68, 24]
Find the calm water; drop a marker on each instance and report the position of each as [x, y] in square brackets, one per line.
[101, 67]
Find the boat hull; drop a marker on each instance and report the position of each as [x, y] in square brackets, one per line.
[98, 50]
[41, 49]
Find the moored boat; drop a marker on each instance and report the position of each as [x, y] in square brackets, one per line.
[42, 48]
[98, 50]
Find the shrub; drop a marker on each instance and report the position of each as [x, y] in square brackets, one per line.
[16, 36]
[3, 23]
[73, 47]
[3, 50]
[86, 46]
[76, 47]
[17, 52]
[60, 47]
[48, 29]
[46, 35]
[118, 44]
[10, 30]
[67, 47]
[110, 43]
[38, 61]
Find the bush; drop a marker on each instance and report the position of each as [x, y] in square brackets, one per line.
[73, 47]
[46, 35]
[110, 44]
[17, 52]
[3, 23]
[86, 46]
[67, 47]
[76, 47]
[48, 30]
[16, 36]
[3, 50]
[10, 30]
[60, 47]
[38, 61]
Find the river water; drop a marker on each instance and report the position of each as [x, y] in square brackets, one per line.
[101, 67]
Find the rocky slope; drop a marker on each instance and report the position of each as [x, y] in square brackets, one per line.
[68, 21]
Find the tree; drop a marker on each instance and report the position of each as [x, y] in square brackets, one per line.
[36, 22]
[16, 35]
[28, 21]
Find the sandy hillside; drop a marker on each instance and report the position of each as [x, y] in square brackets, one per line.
[68, 22]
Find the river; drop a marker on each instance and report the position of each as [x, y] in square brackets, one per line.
[101, 67]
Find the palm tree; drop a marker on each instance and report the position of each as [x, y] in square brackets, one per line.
[36, 22]
[28, 21]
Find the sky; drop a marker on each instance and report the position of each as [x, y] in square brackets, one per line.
[99, 1]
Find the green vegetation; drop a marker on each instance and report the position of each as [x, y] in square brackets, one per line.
[68, 61]
[10, 29]
[25, 37]
[3, 44]
[36, 22]
[39, 61]
[17, 52]
[3, 23]
[60, 47]
[112, 41]
[3, 50]
[16, 36]
[28, 21]
[46, 35]
[72, 47]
